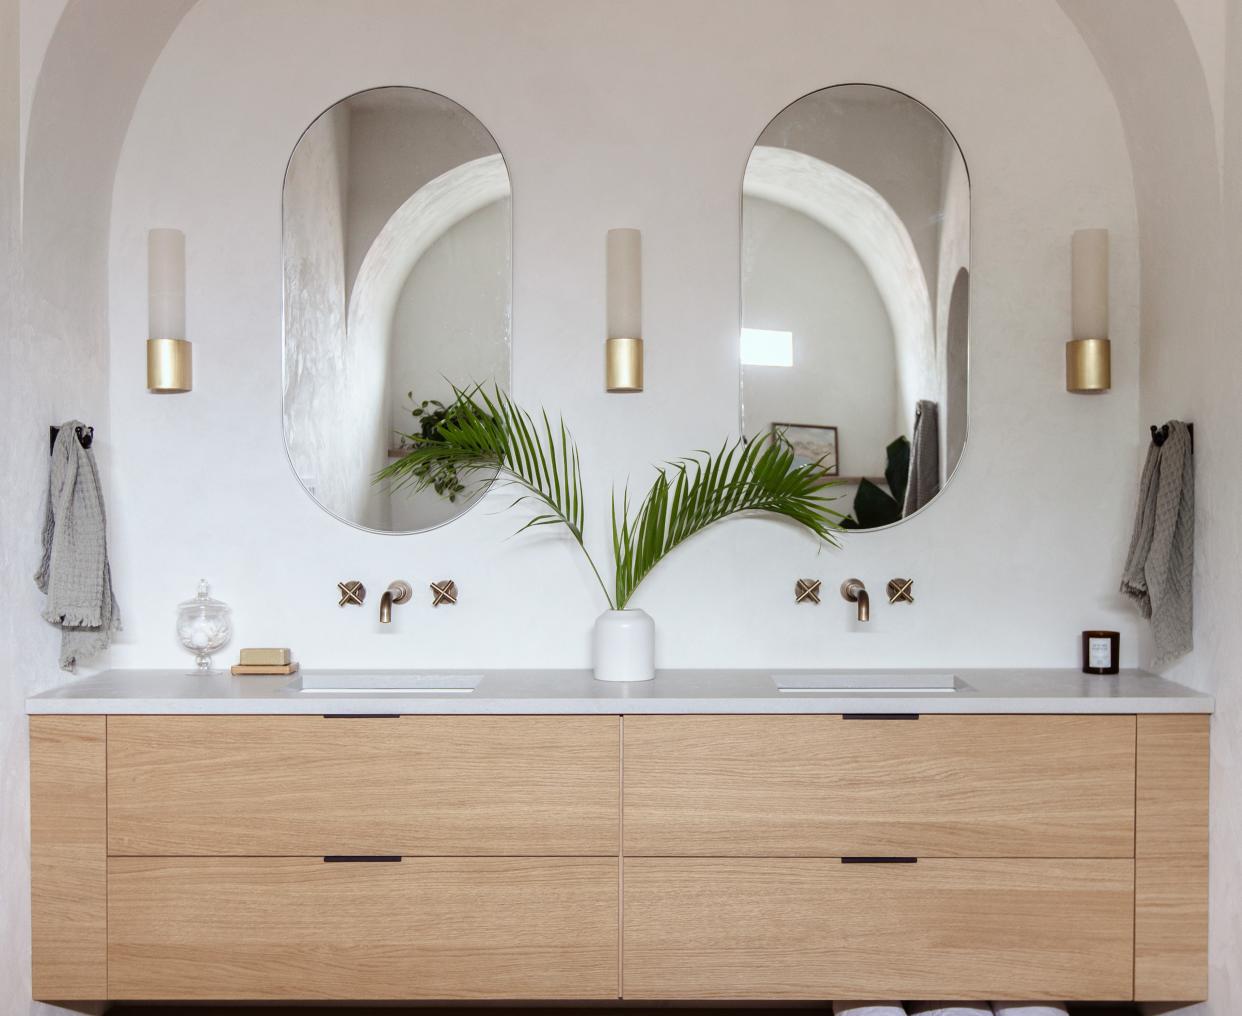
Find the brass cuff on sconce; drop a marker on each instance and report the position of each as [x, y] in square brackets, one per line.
[1088, 365]
[623, 365]
[170, 366]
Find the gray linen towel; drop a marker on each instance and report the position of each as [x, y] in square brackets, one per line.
[924, 481]
[1159, 570]
[74, 572]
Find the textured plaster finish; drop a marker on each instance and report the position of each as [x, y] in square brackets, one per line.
[1190, 228]
[54, 347]
[453, 321]
[799, 276]
[666, 154]
[859, 214]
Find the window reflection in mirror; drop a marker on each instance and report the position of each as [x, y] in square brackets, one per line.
[855, 252]
[397, 250]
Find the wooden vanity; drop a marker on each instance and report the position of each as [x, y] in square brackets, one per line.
[605, 856]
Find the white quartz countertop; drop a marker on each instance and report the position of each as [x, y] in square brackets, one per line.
[576, 691]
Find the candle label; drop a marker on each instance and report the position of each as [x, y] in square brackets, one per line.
[1100, 653]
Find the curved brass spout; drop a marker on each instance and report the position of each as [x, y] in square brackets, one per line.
[397, 592]
[855, 592]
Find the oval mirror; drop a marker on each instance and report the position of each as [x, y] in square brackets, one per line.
[855, 295]
[397, 251]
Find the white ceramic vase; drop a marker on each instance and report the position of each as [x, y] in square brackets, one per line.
[623, 647]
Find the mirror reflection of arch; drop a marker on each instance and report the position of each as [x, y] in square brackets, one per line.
[855, 259]
[398, 279]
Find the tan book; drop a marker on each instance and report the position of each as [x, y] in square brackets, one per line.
[265, 657]
[240, 669]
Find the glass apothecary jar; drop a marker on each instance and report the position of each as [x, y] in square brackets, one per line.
[204, 625]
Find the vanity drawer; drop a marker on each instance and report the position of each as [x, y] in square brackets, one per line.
[702, 928]
[829, 786]
[410, 785]
[421, 928]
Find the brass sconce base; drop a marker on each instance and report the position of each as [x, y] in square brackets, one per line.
[1088, 366]
[623, 365]
[170, 366]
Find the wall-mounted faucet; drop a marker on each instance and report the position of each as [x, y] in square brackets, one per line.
[855, 592]
[397, 592]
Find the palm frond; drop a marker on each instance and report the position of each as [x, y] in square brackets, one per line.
[691, 494]
[486, 434]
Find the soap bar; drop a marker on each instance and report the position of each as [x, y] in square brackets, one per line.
[263, 669]
[264, 657]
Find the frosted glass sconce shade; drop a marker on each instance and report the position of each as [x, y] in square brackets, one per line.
[1088, 356]
[623, 354]
[169, 355]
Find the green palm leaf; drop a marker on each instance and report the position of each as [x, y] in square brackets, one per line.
[691, 494]
[485, 435]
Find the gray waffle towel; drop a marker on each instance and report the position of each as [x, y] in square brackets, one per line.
[74, 572]
[924, 482]
[1159, 571]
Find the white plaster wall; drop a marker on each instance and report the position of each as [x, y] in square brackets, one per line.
[451, 327]
[38, 20]
[330, 382]
[392, 157]
[798, 276]
[77, 95]
[202, 485]
[1191, 369]
[952, 323]
[884, 139]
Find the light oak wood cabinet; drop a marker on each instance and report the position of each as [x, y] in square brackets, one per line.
[830, 786]
[426, 927]
[597, 857]
[803, 928]
[405, 785]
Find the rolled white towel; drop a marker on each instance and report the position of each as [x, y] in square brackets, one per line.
[950, 1009]
[1029, 1009]
[867, 1009]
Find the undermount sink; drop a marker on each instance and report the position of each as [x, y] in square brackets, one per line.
[802, 684]
[386, 683]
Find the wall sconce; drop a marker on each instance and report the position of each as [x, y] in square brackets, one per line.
[623, 352]
[170, 358]
[1088, 356]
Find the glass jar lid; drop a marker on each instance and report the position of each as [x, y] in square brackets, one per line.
[203, 603]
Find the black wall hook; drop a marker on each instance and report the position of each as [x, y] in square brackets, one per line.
[85, 437]
[1159, 435]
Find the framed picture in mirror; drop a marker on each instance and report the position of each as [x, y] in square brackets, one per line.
[812, 442]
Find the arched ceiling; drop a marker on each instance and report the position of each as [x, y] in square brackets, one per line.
[425, 216]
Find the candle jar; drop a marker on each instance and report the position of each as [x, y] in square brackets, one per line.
[204, 625]
[1101, 652]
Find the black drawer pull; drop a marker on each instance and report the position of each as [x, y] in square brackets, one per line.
[879, 860]
[362, 716]
[360, 858]
[880, 716]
